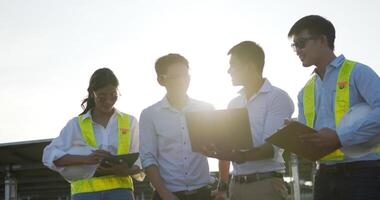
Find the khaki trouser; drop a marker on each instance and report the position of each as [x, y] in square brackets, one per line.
[267, 189]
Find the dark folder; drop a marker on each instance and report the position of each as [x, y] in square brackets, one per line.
[288, 139]
[225, 129]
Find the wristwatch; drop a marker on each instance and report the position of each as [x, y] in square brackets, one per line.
[222, 186]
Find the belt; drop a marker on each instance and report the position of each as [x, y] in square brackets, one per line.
[346, 167]
[191, 192]
[255, 177]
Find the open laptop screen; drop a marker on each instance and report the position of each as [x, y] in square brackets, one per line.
[226, 129]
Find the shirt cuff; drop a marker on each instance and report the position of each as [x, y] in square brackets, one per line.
[147, 160]
[138, 163]
[55, 155]
[345, 136]
[277, 153]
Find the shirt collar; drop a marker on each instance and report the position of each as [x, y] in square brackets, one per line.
[88, 114]
[164, 104]
[265, 88]
[336, 63]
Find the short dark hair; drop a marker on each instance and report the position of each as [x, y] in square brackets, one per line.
[249, 52]
[315, 25]
[164, 62]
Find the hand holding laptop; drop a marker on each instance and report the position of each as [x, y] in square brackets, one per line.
[228, 155]
[219, 131]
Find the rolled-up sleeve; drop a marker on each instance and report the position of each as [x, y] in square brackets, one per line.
[301, 116]
[51, 153]
[367, 83]
[58, 147]
[135, 140]
[148, 140]
[280, 108]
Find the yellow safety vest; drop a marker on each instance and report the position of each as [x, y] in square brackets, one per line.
[342, 101]
[105, 182]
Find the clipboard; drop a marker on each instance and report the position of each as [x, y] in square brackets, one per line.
[128, 159]
[288, 138]
[227, 129]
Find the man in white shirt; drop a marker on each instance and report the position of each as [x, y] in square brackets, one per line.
[175, 171]
[257, 173]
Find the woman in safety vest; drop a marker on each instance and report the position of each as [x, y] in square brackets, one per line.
[98, 132]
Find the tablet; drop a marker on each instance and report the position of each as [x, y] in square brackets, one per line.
[128, 159]
[227, 130]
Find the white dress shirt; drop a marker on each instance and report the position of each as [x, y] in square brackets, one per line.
[267, 110]
[165, 143]
[106, 139]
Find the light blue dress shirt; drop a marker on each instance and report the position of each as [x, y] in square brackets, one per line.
[364, 87]
[267, 110]
[165, 142]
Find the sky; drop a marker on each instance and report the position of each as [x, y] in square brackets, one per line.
[50, 48]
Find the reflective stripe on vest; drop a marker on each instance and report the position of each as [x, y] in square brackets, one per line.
[105, 182]
[342, 101]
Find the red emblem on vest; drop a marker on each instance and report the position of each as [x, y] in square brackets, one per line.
[342, 84]
[124, 130]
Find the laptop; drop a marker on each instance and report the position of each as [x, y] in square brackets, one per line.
[227, 130]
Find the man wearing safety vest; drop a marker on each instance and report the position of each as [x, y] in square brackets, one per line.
[336, 85]
[99, 131]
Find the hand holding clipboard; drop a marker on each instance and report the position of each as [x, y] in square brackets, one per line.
[292, 138]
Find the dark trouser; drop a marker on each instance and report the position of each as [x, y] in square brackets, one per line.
[351, 181]
[202, 194]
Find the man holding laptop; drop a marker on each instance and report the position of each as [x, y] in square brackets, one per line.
[256, 172]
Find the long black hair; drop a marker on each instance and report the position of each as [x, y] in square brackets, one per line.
[100, 78]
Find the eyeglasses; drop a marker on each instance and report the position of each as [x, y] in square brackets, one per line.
[300, 43]
[175, 76]
[104, 96]
[234, 68]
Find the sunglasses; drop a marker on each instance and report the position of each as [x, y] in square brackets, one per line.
[104, 96]
[301, 42]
